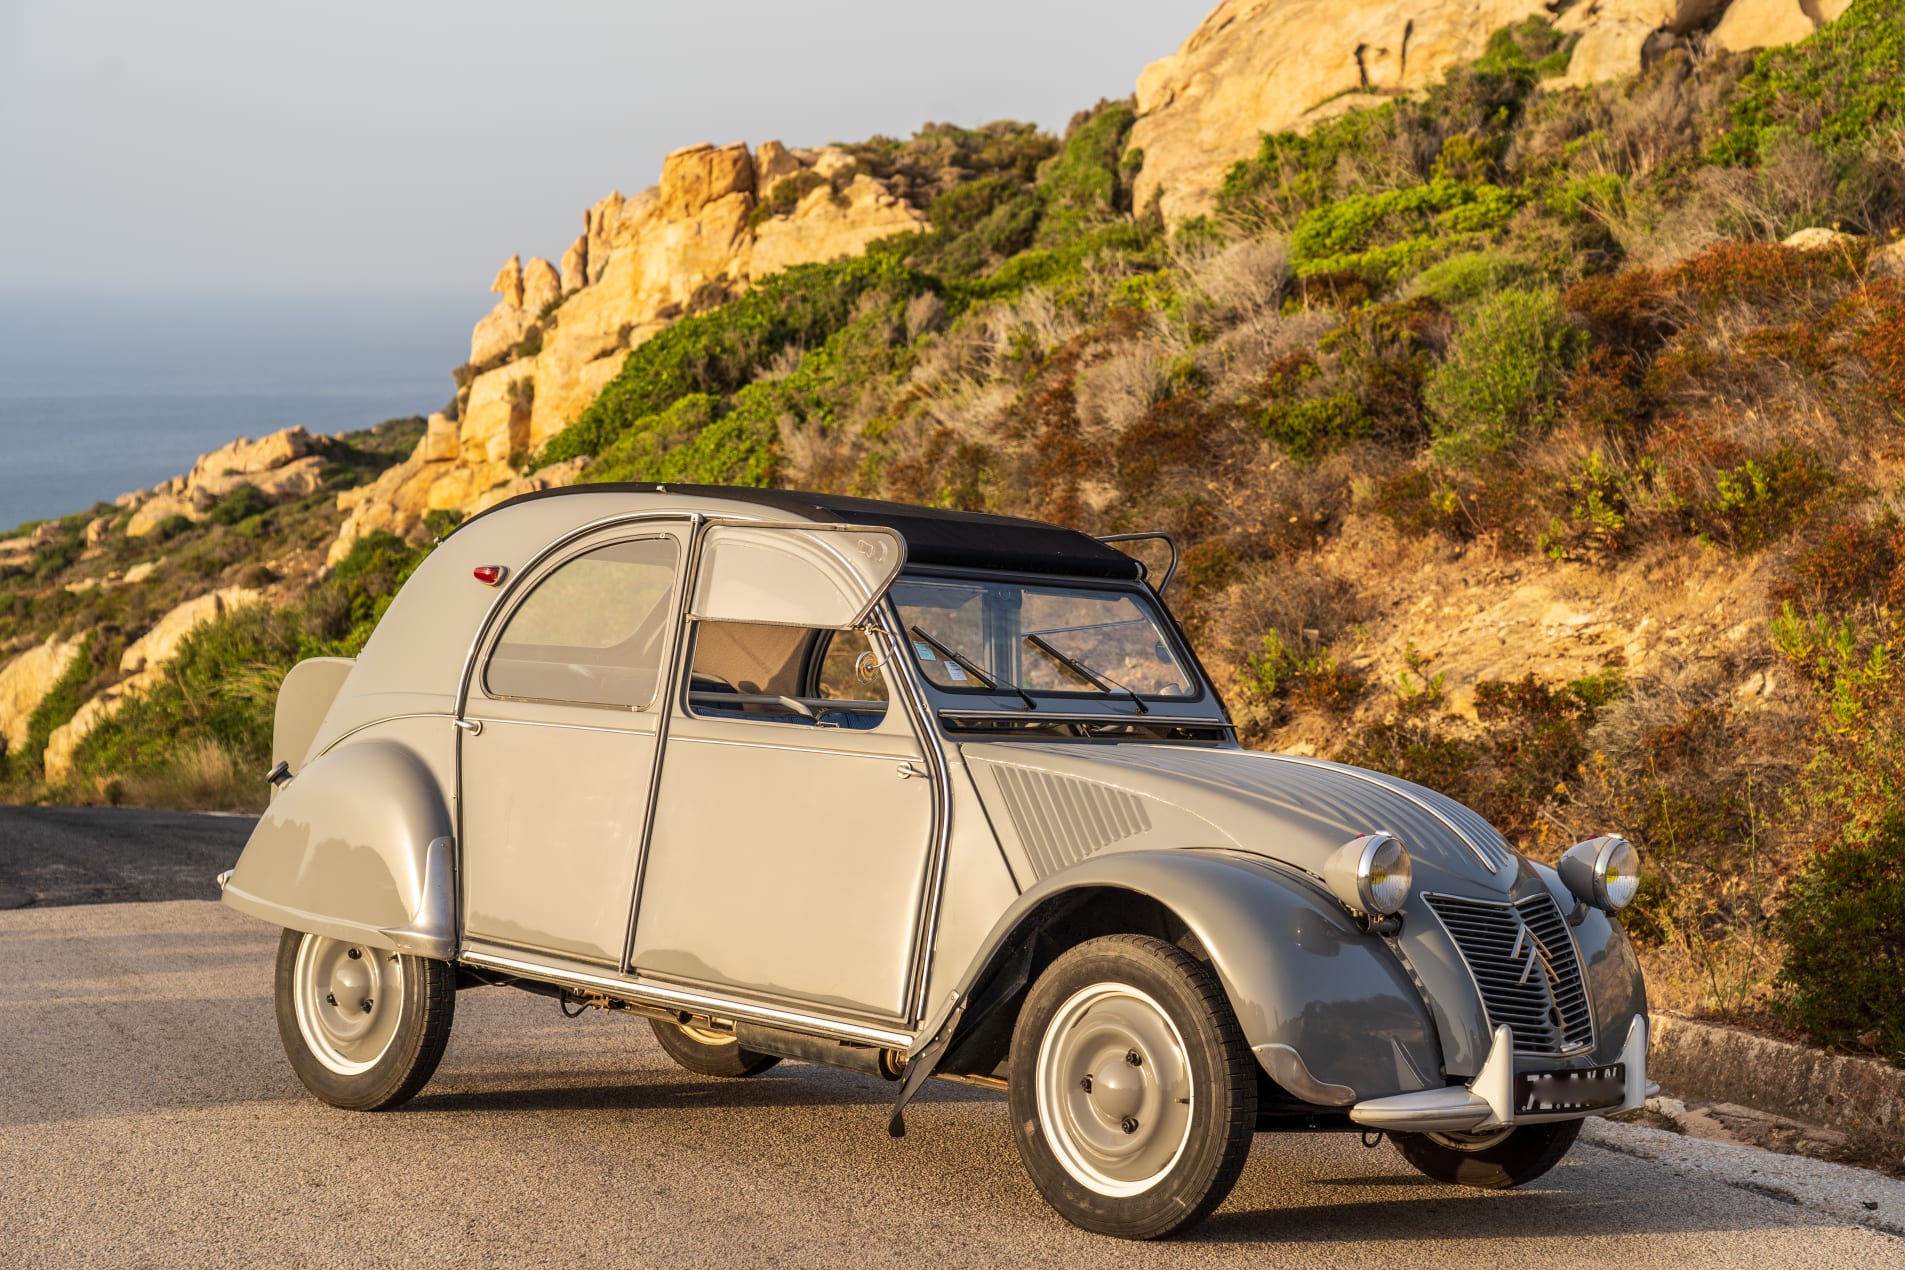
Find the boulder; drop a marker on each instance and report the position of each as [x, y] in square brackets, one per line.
[65, 739]
[439, 439]
[773, 163]
[246, 455]
[97, 529]
[158, 509]
[143, 570]
[820, 229]
[24, 683]
[1888, 261]
[1608, 49]
[695, 176]
[542, 286]
[161, 643]
[499, 331]
[1817, 238]
[575, 265]
[509, 282]
[1758, 24]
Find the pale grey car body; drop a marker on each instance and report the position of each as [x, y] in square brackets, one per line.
[878, 897]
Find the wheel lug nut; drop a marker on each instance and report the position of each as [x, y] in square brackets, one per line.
[366, 1005]
[1136, 1060]
[1129, 1124]
[356, 953]
[330, 998]
[1085, 1084]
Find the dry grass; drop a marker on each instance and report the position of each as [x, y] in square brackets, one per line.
[204, 776]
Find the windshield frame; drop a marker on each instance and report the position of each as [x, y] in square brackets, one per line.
[1201, 706]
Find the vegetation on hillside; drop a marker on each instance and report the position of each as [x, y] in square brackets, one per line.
[1498, 329]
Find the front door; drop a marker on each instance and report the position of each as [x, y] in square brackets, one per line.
[789, 854]
[558, 747]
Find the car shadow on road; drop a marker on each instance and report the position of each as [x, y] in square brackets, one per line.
[790, 1086]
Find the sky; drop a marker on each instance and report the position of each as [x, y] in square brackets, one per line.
[389, 156]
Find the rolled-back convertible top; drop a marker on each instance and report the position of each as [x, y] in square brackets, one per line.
[934, 536]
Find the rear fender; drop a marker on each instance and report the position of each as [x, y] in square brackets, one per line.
[356, 847]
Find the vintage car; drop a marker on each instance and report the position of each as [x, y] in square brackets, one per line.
[914, 793]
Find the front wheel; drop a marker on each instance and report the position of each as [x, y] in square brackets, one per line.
[364, 1027]
[1133, 1093]
[1493, 1160]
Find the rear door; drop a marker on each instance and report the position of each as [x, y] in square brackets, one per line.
[558, 745]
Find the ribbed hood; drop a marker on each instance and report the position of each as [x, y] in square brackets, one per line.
[1296, 810]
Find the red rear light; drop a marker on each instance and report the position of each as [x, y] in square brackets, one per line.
[489, 574]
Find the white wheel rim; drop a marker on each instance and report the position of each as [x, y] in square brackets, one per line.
[348, 999]
[707, 1036]
[1115, 1091]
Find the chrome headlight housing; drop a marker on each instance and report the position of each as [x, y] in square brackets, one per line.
[1603, 871]
[1370, 874]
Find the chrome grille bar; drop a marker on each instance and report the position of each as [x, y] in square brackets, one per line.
[1525, 965]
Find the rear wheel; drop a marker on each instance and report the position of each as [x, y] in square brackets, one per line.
[1495, 1159]
[1133, 1092]
[364, 1027]
[709, 1052]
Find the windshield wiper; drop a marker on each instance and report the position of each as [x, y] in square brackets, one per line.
[959, 659]
[1099, 681]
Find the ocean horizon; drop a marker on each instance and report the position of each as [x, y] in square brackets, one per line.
[102, 395]
[62, 454]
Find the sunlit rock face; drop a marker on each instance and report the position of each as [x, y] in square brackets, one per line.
[1256, 66]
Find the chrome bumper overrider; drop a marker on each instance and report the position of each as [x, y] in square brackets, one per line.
[1488, 1101]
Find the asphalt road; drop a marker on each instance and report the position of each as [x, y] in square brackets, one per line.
[147, 1116]
[108, 855]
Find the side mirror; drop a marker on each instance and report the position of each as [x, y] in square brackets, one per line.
[822, 576]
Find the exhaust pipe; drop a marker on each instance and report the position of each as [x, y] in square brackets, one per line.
[801, 1047]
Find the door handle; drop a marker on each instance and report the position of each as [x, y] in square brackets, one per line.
[473, 726]
[907, 770]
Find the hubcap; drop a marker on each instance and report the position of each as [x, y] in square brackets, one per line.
[348, 999]
[1114, 1089]
[1480, 1140]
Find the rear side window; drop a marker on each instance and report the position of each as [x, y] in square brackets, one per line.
[592, 632]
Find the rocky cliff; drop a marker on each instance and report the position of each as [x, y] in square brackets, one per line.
[1256, 66]
[720, 218]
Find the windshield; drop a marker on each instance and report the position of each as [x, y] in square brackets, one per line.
[1015, 637]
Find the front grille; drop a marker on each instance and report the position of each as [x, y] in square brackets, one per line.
[1525, 963]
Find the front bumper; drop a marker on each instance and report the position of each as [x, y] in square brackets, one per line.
[1488, 1101]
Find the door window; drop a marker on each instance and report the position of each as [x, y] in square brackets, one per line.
[786, 674]
[591, 632]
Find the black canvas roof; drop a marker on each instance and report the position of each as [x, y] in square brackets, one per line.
[934, 536]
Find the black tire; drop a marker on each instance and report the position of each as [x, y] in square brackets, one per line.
[396, 1046]
[1491, 1162]
[696, 1052]
[1084, 1138]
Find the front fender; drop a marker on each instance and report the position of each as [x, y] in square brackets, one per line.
[356, 847]
[1303, 979]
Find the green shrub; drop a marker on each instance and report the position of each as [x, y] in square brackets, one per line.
[1844, 931]
[1502, 375]
[1384, 235]
[1467, 277]
[1080, 185]
[242, 503]
[441, 522]
[1836, 87]
[720, 351]
[785, 196]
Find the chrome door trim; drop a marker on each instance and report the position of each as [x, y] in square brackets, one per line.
[932, 747]
[647, 992]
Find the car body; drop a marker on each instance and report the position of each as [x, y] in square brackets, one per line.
[810, 777]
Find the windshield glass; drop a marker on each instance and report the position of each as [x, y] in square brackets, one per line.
[1002, 636]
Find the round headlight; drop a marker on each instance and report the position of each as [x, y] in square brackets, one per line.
[1383, 880]
[1603, 871]
[1370, 874]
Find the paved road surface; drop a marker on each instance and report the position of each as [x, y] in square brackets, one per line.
[147, 1117]
[105, 855]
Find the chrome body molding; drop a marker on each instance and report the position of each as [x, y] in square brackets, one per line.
[649, 993]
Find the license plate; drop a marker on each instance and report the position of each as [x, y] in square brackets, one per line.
[1588, 1089]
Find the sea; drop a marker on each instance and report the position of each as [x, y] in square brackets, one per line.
[103, 395]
